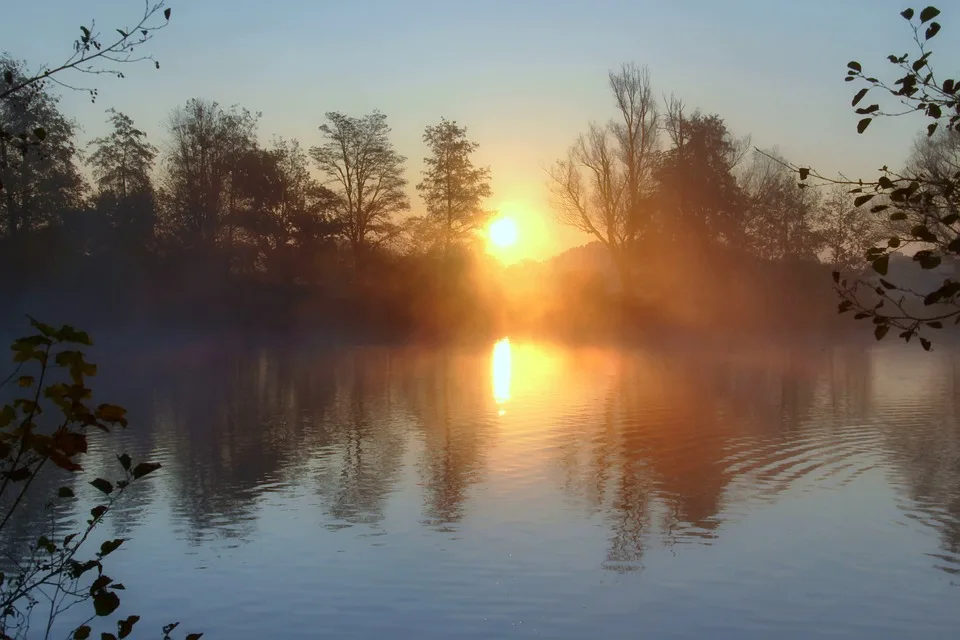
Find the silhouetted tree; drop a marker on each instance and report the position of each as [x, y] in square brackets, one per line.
[452, 188]
[121, 163]
[39, 182]
[698, 194]
[847, 231]
[604, 186]
[359, 160]
[783, 222]
[206, 145]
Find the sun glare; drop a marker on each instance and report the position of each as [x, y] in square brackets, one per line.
[503, 232]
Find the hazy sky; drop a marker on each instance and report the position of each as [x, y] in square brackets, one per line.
[525, 76]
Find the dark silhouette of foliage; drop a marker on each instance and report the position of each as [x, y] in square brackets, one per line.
[366, 173]
[49, 426]
[453, 190]
[39, 181]
[922, 200]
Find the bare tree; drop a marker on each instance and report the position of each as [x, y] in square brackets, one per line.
[366, 174]
[605, 184]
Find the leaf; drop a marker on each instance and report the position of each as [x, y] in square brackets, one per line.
[124, 461]
[870, 109]
[857, 98]
[8, 76]
[81, 632]
[950, 218]
[145, 468]
[166, 13]
[893, 242]
[887, 285]
[881, 264]
[110, 546]
[925, 343]
[41, 133]
[98, 511]
[897, 216]
[125, 627]
[107, 636]
[881, 331]
[854, 65]
[103, 485]
[25, 381]
[167, 628]
[935, 324]
[861, 200]
[193, 636]
[18, 475]
[932, 30]
[861, 316]
[112, 413]
[929, 14]
[921, 232]
[804, 173]
[7, 415]
[932, 128]
[836, 277]
[927, 259]
[863, 124]
[69, 334]
[907, 13]
[65, 492]
[844, 306]
[64, 462]
[105, 603]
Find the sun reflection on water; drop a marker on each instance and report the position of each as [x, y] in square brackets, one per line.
[501, 370]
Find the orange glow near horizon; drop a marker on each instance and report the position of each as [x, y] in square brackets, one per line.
[501, 369]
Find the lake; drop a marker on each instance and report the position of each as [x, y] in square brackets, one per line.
[523, 489]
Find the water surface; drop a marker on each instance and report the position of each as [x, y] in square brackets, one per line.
[526, 489]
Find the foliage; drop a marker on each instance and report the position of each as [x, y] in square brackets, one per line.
[452, 188]
[206, 147]
[603, 187]
[697, 191]
[782, 222]
[921, 200]
[122, 161]
[39, 181]
[366, 173]
[92, 54]
[49, 427]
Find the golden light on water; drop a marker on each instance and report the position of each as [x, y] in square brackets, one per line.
[501, 369]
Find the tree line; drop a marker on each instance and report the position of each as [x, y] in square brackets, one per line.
[221, 219]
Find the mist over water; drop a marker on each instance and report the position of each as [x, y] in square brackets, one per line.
[524, 488]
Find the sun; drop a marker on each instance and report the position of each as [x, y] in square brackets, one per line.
[503, 232]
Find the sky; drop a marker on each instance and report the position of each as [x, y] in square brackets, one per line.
[524, 76]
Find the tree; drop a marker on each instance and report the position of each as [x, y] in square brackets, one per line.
[122, 161]
[92, 54]
[121, 164]
[782, 220]
[604, 186]
[366, 173]
[206, 145]
[847, 231]
[697, 192]
[923, 200]
[452, 188]
[39, 182]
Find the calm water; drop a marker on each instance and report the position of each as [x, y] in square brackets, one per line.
[525, 489]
